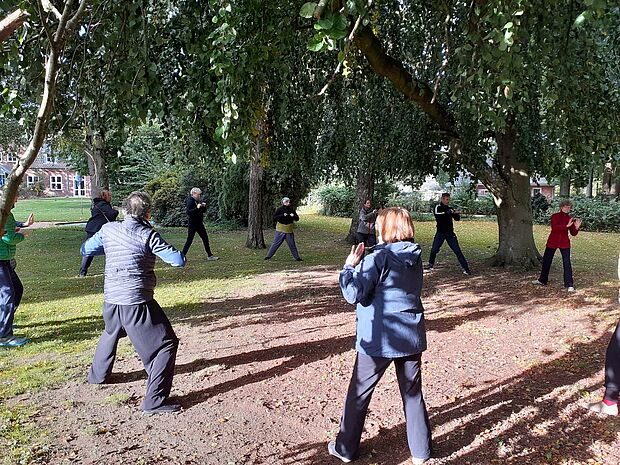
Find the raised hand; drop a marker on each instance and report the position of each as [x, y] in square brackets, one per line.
[357, 252]
[30, 220]
[578, 223]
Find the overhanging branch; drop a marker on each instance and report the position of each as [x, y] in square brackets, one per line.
[13, 21]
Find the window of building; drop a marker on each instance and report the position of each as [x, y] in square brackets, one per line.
[79, 189]
[3, 177]
[482, 192]
[536, 190]
[31, 180]
[56, 183]
[49, 158]
[11, 157]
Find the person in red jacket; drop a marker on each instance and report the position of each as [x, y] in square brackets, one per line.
[561, 224]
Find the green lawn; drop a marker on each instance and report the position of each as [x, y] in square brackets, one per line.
[55, 209]
[61, 313]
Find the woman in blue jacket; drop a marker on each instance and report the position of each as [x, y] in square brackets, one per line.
[386, 285]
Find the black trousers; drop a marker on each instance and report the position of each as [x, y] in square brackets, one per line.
[369, 240]
[192, 229]
[453, 243]
[546, 266]
[151, 334]
[612, 367]
[86, 261]
[366, 374]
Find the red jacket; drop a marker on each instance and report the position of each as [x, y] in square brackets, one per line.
[558, 239]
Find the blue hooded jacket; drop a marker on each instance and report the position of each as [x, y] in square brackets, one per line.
[386, 286]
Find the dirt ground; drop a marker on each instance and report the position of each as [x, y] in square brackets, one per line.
[262, 378]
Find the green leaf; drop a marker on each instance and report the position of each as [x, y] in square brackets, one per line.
[316, 43]
[580, 19]
[307, 10]
[325, 23]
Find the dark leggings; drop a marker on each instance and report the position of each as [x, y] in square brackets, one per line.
[612, 367]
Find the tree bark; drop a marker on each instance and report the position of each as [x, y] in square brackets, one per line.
[590, 186]
[66, 24]
[565, 186]
[365, 189]
[13, 21]
[256, 239]
[94, 147]
[616, 182]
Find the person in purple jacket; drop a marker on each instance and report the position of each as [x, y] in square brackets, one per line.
[386, 286]
[131, 248]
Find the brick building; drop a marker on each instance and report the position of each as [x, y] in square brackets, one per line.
[47, 177]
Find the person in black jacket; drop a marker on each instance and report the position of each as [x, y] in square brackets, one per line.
[102, 212]
[444, 214]
[284, 217]
[195, 210]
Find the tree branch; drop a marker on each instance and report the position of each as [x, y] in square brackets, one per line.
[49, 8]
[394, 70]
[13, 21]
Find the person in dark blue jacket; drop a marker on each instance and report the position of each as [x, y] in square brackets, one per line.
[129, 307]
[386, 286]
[444, 214]
[195, 210]
[102, 212]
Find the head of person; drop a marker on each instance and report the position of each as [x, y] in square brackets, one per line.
[138, 205]
[566, 206]
[368, 204]
[195, 192]
[286, 201]
[106, 195]
[394, 224]
[445, 198]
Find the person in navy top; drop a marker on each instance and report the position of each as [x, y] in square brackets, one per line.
[386, 286]
[444, 214]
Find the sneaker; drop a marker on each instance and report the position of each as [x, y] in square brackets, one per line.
[82, 275]
[538, 283]
[267, 258]
[13, 341]
[570, 289]
[467, 272]
[603, 408]
[427, 269]
[417, 461]
[298, 259]
[331, 448]
[166, 408]
[212, 258]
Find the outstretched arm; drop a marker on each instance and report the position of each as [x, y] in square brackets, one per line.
[93, 246]
[165, 251]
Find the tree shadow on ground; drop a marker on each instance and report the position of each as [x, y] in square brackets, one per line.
[524, 419]
[71, 330]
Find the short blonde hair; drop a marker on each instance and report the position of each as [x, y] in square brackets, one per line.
[394, 225]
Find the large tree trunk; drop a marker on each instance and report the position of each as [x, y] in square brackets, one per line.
[565, 186]
[514, 209]
[94, 147]
[616, 182]
[365, 189]
[256, 239]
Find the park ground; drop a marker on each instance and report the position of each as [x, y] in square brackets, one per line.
[267, 350]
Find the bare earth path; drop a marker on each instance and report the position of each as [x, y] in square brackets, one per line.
[262, 377]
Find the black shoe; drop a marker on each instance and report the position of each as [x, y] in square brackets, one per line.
[298, 259]
[165, 408]
[467, 272]
[82, 275]
[267, 258]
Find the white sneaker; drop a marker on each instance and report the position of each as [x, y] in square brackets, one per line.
[417, 461]
[538, 283]
[570, 289]
[603, 408]
[212, 258]
[331, 448]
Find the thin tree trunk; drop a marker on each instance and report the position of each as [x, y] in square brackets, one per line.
[365, 189]
[95, 155]
[616, 182]
[565, 186]
[256, 239]
[590, 186]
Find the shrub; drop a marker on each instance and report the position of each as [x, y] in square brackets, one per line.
[168, 209]
[412, 201]
[596, 214]
[337, 200]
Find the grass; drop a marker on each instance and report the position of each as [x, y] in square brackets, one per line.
[53, 209]
[61, 313]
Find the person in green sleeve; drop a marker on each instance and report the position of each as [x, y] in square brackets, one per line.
[11, 288]
[285, 216]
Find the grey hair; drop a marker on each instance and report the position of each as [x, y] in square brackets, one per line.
[195, 190]
[103, 191]
[137, 204]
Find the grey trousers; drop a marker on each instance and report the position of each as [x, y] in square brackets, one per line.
[366, 374]
[152, 336]
[277, 242]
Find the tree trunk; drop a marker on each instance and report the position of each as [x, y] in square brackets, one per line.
[616, 182]
[590, 186]
[256, 239]
[514, 209]
[565, 186]
[94, 147]
[365, 189]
